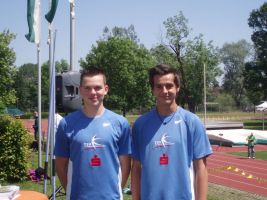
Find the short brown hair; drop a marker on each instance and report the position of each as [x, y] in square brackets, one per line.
[92, 71]
[163, 69]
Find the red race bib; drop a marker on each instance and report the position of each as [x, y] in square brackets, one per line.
[164, 160]
[95, 161]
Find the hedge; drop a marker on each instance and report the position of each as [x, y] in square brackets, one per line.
[254, 123]
[14, 150]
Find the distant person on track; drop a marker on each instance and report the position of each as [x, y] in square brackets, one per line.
[251, 143]
[35, 125]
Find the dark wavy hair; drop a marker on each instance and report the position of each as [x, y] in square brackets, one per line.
[163, 69]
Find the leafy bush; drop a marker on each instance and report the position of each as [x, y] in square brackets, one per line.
[14, 149]
[254, 124]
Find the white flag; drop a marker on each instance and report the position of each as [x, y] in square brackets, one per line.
[33, 18]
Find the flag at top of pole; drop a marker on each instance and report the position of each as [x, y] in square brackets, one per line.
[33, 17]
[53, 7]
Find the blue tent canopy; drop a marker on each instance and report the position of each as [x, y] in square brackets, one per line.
[15, 112]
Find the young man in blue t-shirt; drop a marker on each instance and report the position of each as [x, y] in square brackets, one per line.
[170, 146]
[93, 145]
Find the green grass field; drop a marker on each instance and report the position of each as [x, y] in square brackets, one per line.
[262, 155]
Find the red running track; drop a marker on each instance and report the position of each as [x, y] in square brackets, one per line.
[29, 122]
[237, 172]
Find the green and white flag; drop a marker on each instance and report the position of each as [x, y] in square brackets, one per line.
[33, 18]
[53, 7]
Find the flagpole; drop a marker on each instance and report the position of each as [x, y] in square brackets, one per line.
[38, 43]
[51, 120]
[48, 138]
[39, 108]
[72, 34]
[53, 138]
[50, 78]
[205, 96]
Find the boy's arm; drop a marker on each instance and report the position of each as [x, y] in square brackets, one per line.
[62, 170]
[125, 162]
[136, 180]
[201, 179]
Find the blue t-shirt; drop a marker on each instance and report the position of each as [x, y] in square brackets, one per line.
[93, 146]
[166, 148]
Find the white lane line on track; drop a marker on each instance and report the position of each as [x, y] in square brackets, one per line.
[245, 165]
[244, 183]
[230, 156]
[242, 159]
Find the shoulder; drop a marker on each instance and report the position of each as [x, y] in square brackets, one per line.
[191, 120]
[73, 114]
[114, 117]
[144, 118]
[187, 115]
[71, 117]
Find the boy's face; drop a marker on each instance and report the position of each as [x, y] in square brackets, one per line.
[165, 89]
[93, 90]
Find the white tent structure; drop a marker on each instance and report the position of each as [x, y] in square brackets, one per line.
[263, 108]
[234, 137]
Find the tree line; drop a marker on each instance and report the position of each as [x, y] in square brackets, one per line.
[126, 62]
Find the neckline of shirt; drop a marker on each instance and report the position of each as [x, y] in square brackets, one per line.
[166, 119]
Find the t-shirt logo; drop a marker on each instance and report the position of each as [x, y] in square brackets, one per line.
[93, 144]
[163, 142]
[106, 124]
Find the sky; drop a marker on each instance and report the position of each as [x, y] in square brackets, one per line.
[219, 21]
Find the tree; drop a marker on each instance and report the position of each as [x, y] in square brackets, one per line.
[188, 56]
[26, 86]
[61, 66]
[26, 82]
[7, 70]
[226, 102]
[234, 56]
[253, 82]
[126, 64]
[121, 32]
[162, 54]
[197, 54]
[257, 69]
[257, 21]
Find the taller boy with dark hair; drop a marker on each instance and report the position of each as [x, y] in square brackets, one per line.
[95, 143]
[170, 146]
